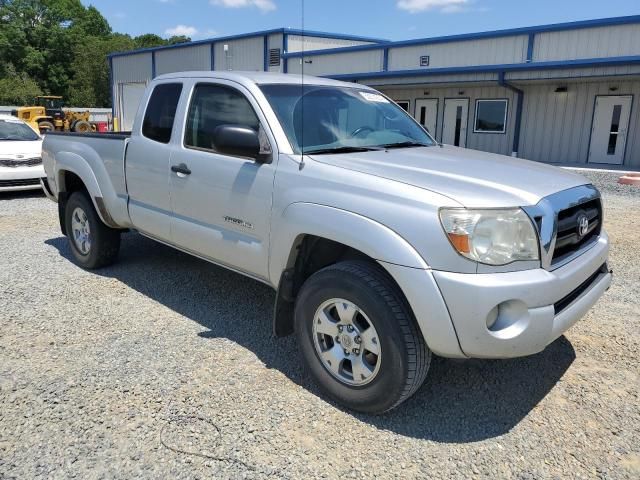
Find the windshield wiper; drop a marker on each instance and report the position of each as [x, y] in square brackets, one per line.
[406, 145]
[342, 150]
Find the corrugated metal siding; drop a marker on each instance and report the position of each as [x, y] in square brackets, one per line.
[575, 73]
[132, 68]
[275, 41]
[197, 57]
[488, 142]
[556, 127]
[597, 42]
[492, 51]
[244, 54]
[135, 68]
[339, 63]
[295, 43]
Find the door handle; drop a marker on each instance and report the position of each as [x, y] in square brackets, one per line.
[181, 169]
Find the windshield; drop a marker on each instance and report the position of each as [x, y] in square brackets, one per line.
[325, 119]
[16, 130]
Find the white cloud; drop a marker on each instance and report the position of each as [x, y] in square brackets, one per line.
[444, 6]
[263, 5]
[178, 30]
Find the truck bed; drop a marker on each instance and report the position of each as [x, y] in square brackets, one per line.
[102, 154]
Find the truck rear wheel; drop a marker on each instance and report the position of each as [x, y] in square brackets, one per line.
[359, 338]
[93, 244]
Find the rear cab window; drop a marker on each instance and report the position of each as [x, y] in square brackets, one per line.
[161, 112]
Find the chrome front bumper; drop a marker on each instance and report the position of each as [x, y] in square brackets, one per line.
[530, 308]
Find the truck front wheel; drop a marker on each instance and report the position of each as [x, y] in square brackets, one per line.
[93, 244]
[359, 338]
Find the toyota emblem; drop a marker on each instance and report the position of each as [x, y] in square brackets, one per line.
[583, 225]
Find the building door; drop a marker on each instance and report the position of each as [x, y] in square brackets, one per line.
[609, 129]
[427, 114]
[456, 115]
[130, 97]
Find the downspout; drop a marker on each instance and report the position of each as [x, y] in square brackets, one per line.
[519, 104]
[285, 48]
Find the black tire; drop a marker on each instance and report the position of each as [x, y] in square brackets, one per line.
[46, 126]
[104, 241]
[404, 359]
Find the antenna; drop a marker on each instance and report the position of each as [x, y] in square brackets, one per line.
[304, 38]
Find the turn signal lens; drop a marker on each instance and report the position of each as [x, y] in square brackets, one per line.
[460, 242]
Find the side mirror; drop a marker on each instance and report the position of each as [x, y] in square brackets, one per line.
[237, 140]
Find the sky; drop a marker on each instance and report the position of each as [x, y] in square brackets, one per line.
[387, 19]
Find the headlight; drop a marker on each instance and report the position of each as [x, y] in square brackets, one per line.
[493, 237]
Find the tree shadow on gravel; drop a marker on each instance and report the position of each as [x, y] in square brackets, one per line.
[461, 401]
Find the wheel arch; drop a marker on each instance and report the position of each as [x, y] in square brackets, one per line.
[74, 174]
[324, 236]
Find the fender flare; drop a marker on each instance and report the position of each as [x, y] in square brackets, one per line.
[348, 228]
[74, 163]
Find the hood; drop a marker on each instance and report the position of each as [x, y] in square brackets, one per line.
[10, 148]
[473, 178]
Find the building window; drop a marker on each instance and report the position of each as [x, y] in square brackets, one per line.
[403, 104]
[491, 116]
[161, 112]
[274, 57]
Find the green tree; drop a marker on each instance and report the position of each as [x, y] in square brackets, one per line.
[17, 89]
[60, 47]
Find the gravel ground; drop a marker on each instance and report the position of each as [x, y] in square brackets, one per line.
[163, 366]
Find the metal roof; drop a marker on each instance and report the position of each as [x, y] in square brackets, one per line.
[556, 27]
[261, 33]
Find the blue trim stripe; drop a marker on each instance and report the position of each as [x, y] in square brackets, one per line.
[153, 64]
[554, 65]
[603, 22]
[385, 60]
[261, 33]
[213, 57]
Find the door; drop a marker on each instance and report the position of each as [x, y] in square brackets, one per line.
[427, 114]
[456, 115]
[147, 163]
[222, 207]
[609, 129]
[130, 97]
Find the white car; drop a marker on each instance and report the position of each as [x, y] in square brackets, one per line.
[20, 155]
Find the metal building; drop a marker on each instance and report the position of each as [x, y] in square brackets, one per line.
[564, 93]
[257, 51]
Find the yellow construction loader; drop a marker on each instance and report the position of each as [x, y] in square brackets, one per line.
[48, 115]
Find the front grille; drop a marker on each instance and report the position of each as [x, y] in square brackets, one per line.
[20, 183]
[569, 299]
[30, 162]
[568, 238]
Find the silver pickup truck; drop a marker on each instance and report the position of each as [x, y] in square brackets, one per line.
[383, 245]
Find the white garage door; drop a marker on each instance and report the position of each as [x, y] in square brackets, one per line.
[130, 97]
